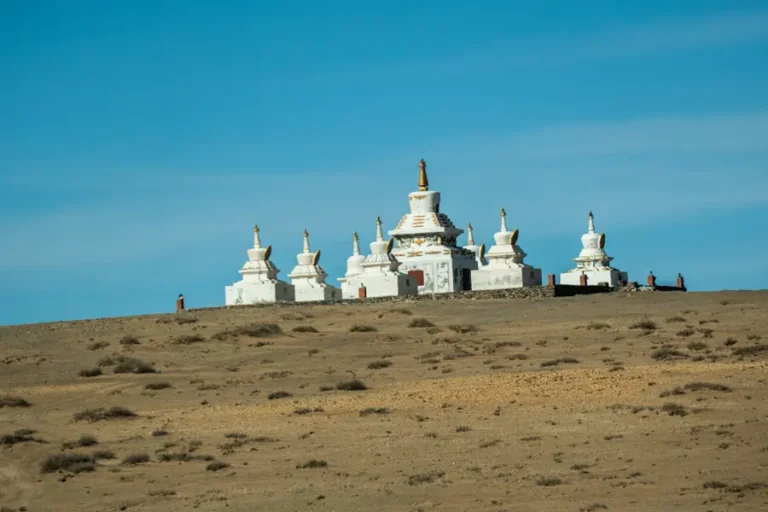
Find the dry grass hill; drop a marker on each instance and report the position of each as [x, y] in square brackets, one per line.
[628, 402]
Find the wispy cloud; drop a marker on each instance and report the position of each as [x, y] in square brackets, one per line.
[631, 172]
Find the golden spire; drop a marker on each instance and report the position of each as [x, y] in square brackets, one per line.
[423, 181]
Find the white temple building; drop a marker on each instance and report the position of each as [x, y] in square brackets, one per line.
[506, 267]
[479, 250]
[593, 262]
[426, 244]
[380, 276]
[260, 282]
[350, 289]
[308, 277]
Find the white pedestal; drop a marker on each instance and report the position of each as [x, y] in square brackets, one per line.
[244, 292]
[500, 278]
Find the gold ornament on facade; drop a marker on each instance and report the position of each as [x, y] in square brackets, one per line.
[268, 253]
[423, 181]
[513, 237]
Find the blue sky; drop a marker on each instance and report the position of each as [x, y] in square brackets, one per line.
[140, 141]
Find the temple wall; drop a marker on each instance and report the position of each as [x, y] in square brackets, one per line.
[490, 278]
[594, 277]
[316, 292]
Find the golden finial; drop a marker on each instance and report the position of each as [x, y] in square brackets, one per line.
[378, 221]
[255, 228]
[306, 233]
[354, 236]
[423, 181]
[470, 226]
[503, 212]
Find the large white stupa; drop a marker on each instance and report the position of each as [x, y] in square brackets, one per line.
[593, 262]
[426, 244]
[506, 266]
[308, 277]
[260, 282]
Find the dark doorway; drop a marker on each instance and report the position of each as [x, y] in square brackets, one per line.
[466, 279]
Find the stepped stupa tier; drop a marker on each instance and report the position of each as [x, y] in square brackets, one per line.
[259, 282]
[506, 267]
[308, 277]
[381, 277]
[593, 262]
[354, 268]
[426, 244]
[479, 250]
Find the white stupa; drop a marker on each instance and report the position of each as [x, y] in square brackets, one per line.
[506, 267]
[426, 244]
[354, 267]
[593, 261]
[308, 277]
[260, 282]
[479, 250]
[381, 277]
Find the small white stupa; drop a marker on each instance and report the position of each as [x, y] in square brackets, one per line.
[260, 282]
[479, 250]
[354, 267]
[593, 262]
[506, 267]
[380, 277]
[308, 277]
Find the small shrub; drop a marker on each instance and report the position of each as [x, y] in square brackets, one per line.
[751, 350]
[362, 328]
[517, 357]
[374, 410]
[646, 325]
[463, 428]
[129, 340]
[700, 386]
[715, 485]
[548, 481]
[304, 328]
[83, 441]
[425, 478]
[301, 411]
[420, 322]
[72, 462]
[188, 339]
[676, 319]
[156, 386]
[351, 385]
[555, 362]
[131, 365]
[103, 455]
[182, 457]
[667, 353]
[326, 388]
[674, 409]
[314, 463]
[488, 444]
[401, 311]
[216, 466]
[675, 391]
[754, 337]
[259, 330]
[377, 365]
[706, 332]
[13, 401]
[597, 326]
[99, 414]
[136, 458]
[98, 345]
[463, 329]
[697, 345]
[90, 372]
[278, 394]
[19, 436]
[159, 433]
[686, 332]
[730, 342]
